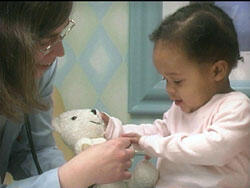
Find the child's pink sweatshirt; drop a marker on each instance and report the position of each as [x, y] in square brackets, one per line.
[208, 148]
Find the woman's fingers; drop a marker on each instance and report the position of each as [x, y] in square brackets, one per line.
[129, 135]
[147, 157]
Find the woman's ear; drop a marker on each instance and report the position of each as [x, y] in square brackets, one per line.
[220, 70]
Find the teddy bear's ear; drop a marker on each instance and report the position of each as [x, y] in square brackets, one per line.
[55, 124]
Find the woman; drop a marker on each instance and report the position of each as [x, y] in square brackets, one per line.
[31, 36]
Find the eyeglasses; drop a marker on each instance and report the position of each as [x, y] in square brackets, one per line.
[46, 50]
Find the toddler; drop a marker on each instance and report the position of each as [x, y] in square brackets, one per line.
[203, 140]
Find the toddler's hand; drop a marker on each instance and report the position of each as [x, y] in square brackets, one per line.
[134, 138]
[105, 118]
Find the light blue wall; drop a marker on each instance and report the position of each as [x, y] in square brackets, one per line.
[94, 71]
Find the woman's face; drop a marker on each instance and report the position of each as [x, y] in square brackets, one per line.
[45, 61]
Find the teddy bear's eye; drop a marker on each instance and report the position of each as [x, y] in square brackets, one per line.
[93, 111]
[74, 118]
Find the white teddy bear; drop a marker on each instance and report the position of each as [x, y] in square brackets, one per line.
[82, 128]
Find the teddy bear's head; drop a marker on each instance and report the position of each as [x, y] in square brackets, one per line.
[78, 124]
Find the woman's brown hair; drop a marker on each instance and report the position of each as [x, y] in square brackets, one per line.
[22, 25]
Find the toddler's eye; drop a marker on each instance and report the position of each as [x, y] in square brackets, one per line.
[163, 78]
[177, 81]
[74, 117]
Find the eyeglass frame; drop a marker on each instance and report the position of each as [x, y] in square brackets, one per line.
[47, 49]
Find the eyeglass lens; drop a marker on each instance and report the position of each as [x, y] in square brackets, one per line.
[62, 35]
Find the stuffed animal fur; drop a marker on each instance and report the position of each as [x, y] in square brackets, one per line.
[82, 128]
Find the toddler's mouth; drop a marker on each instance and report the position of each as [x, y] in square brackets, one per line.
[177, 102]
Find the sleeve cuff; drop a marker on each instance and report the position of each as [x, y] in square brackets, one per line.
[114, 128]
[47, 179]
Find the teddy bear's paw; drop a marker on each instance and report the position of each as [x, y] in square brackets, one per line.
[145, 175]
[82, 144]
[119, 184]
[85, 146]
[89, 142]
[98, 140]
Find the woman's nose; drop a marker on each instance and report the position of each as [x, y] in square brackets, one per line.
[58, 50]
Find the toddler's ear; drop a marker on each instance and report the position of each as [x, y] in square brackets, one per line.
[220, 70]
[55, 124]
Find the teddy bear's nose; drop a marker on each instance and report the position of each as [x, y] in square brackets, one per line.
[93, 111]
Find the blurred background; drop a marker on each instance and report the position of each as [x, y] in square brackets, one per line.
[94, 71]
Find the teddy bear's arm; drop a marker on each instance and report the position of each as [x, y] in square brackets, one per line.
[81, 144]
[84, 143]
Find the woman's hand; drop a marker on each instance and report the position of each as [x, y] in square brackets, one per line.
[147, 157]
[99, 164]
[135, 138]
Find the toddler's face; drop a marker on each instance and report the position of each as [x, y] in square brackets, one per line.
[189, 84]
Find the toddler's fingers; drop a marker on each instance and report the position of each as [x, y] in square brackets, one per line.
[105, 118]
[124, 142]
[129, 135]
[134, 140]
